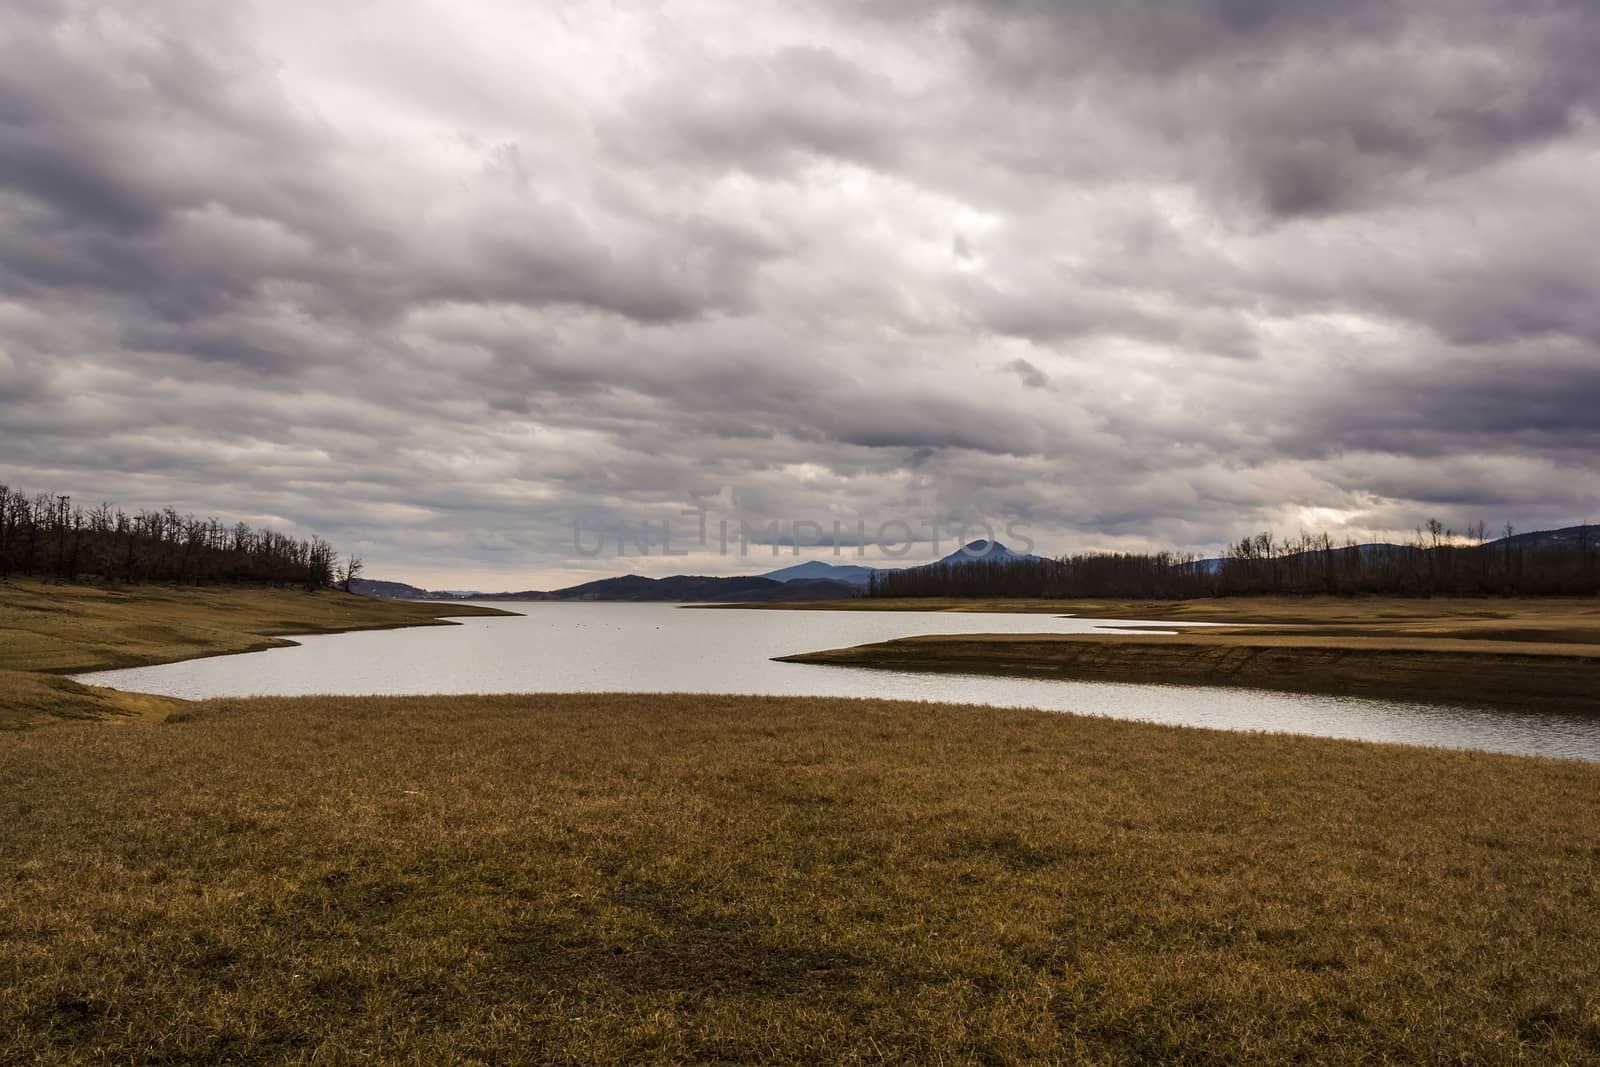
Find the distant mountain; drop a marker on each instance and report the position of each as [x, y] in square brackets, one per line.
[817, 580]
[682, 588]
[396, 591]
[812, 580]
[687, 588]
[525, 594]
[817, 570]
[1567, 536]
[979, 551]
[982, 551]
[1213, 565]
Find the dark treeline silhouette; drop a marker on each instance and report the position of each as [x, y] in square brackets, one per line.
[48, 536]
[1435, 563]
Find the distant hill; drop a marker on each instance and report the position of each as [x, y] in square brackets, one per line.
[982, 551]
[681, 588]
[819, 580]
[1214, 564]
[979, 551]
[398, 591]
[687, 588]
[1568, 536]
[812, 580]
[817, 570]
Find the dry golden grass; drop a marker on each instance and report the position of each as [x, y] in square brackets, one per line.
[29, 699]
[1551, 617]
[604, 879]
[1564, 680]
[1528, 652]
[47, 631]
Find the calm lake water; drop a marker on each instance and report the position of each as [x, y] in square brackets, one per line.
[664, 647]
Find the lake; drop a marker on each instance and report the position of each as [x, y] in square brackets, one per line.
[596, 647]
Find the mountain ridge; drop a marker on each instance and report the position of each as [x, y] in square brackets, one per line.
[677, 588]
[820, 580]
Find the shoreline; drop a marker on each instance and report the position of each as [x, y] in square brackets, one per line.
[52, 632]
[1244, 610]
[1521, 653]
[1545, 680]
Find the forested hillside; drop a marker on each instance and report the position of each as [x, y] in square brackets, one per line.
[1436, 563]
[49, 536]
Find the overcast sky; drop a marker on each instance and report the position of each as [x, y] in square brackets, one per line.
[433, 279]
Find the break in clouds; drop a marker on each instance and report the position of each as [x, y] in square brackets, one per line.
[433, 281]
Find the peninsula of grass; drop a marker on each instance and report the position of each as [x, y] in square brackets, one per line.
[596, 879]
[48, 631]
[1520, 653]
[1576, 617]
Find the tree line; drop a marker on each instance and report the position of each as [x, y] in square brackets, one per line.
[1437, 562]
[48, 536]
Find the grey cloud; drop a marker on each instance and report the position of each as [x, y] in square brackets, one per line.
[1291, 109]
[204, 184]
[1543, 403]
[1138, 274]
[1031, 376]
[770, 113]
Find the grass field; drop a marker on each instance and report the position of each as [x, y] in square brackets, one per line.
[684, 879]
[603, 879]
[48, 631]
[1542, 653]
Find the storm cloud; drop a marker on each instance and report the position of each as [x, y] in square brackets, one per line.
[436, 284]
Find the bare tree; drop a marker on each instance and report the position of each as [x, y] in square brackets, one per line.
[352, 570]
[46, 535]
